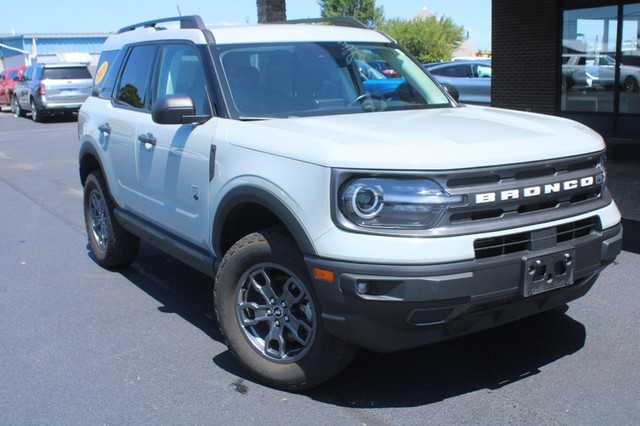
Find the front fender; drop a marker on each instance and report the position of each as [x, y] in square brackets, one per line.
[258, 195]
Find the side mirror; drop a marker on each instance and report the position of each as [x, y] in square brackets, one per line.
[452, 91]
[176, 109]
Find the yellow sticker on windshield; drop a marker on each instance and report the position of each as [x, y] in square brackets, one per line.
[101, 72]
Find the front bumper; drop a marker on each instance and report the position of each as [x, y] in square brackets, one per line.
[410, 306]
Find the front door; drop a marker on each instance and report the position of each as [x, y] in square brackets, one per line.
[173, 161]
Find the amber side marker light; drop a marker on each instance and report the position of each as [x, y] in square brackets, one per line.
[323, 275]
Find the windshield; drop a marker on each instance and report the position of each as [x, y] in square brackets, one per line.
[307, 79]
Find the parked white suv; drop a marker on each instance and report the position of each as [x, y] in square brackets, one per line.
[598, 70]
[334, 218]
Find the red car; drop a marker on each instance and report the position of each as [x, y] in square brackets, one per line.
[8, 79]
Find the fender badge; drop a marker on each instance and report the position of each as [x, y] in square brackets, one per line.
[195, 193]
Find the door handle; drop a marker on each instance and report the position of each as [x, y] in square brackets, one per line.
[105, 128]
[148, 138]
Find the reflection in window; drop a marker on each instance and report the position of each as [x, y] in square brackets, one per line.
[181, 73]
[588, 66]
[133, 85]
[630, 68]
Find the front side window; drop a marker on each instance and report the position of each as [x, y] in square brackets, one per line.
[307, 79]
[132, 90]
[26, 76]
[181, 72]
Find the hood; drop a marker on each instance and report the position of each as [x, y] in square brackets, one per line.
[437, 139]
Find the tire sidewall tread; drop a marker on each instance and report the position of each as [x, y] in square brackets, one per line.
[325, 358]
[122, 246]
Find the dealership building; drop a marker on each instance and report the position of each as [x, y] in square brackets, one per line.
[578, 59]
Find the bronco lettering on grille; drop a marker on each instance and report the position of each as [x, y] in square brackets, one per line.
[539, 190]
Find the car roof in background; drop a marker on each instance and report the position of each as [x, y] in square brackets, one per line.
[484, 62]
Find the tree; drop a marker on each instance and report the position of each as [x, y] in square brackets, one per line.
[364, 10]
[271, 11]
[429, 39]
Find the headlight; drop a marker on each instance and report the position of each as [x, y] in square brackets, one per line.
[395, 203]
[602, 165]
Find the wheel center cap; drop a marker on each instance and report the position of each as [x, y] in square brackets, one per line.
[277, 312]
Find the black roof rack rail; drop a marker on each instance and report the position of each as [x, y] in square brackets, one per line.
[340, 22]
[192, 21]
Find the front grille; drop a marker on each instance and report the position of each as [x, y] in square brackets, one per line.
[547, 178]
[523, 241]
[505, 197]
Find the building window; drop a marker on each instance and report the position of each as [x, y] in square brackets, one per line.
[630, 58]
[589, 41]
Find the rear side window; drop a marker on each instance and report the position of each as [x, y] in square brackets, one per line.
[66, 73]
[132, 90]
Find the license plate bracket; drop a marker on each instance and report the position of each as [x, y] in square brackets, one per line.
[548, 272]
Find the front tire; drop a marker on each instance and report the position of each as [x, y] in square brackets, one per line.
[111, 244]
[270, 316]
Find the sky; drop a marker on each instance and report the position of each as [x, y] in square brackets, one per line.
[90, 16]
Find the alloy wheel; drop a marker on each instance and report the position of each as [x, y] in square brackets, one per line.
[275, 313]
[99, 225]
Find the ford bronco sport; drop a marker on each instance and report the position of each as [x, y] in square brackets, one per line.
[332, 218]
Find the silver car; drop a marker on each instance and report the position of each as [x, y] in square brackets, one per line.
[51, 88]
[471, 79]
[598, 70]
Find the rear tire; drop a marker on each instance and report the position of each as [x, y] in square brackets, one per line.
[270, 316]
[15, 107]
[111, 244]
[37, 115]
[630, 84]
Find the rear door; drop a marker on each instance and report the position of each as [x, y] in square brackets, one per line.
[119, 125]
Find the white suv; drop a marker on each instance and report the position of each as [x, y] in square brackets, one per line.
[333, 214]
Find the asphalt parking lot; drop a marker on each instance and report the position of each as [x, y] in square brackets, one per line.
[82, 345]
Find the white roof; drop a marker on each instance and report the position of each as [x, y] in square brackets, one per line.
[244, 34]
[269, 33]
